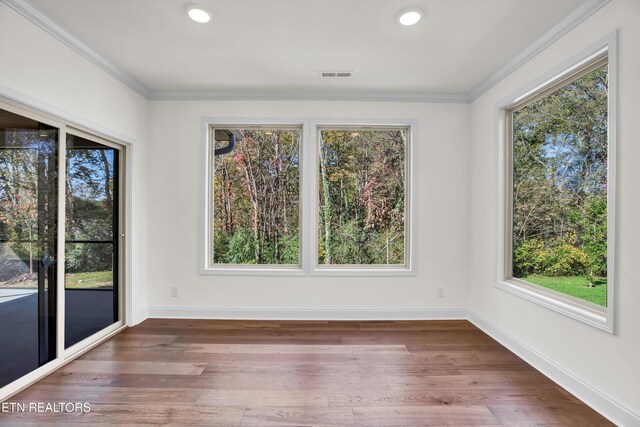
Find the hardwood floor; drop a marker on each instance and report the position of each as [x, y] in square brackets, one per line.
[259, 373]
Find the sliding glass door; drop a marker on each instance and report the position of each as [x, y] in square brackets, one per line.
[92, 236]
[60, 241]
[28, 244]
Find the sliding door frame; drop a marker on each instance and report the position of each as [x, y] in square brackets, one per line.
[64, 356]
[119, 249]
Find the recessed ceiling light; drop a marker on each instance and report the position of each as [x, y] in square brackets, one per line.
[198, 13]
[410, 16]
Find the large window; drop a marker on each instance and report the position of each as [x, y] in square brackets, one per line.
[254, 183]
[558, 180]
[352, 219]
[362, 197]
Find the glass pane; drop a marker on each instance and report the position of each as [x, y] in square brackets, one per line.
[560, 189]
[89, 266]
[89, 198]
[362, 196]
[28, 220]
[91, 289]
[256, 197]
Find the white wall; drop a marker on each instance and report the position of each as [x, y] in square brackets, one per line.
[176, 170]
[608, 363]
[37, 69]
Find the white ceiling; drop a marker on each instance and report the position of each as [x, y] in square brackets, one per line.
[278, 46]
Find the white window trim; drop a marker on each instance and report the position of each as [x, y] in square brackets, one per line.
[205, 233]
[601, 318]
[409, 268]
[308, 201]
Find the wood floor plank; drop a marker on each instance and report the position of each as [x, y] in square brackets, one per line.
[329, 334]
[500, 380]
[329, 369]
[135, 415]
[258, 398]
[320, 325]
[444, 346]
[203, 339]
[415, 325]
[266, 382]
[446, 396]
[432, 357]
[138, 341]
[281, 417]
[477, 415]
[157, 368]
[79, 378]
[160, 325]
[290, 373]
[110, 395]
[295, 348]
[214, 359]
[560, 413]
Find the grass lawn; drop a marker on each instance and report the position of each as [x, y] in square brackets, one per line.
[576, 286]
[92, 280]
[95, 279]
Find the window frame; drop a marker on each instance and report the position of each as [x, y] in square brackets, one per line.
[309, 175]
[206, 234]
[357, 270]
[604, 51]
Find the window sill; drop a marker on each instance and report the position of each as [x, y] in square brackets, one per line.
[584, 312]
[358, 271]
[250, 270]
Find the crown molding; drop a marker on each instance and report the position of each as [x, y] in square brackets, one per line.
[41, 19]
[310, 96]
[585, 10]
[48, 24]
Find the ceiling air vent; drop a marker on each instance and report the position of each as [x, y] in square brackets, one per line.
[336, 74]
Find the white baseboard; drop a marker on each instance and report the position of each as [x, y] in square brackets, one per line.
[139, 317]
[610, 409]
[304, 314]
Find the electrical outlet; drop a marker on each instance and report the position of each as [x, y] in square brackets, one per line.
[174, 291]
[440, 292]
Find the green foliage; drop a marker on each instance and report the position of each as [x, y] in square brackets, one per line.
[362, 197]
[594, 236]
[565, 259]
[346, 247]
[256, 198]
[559, 258]
[83, 257]
[241, 248]
[221, 247]
[560, 182]
[290, 249]
[529, 256]
[256, 195]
